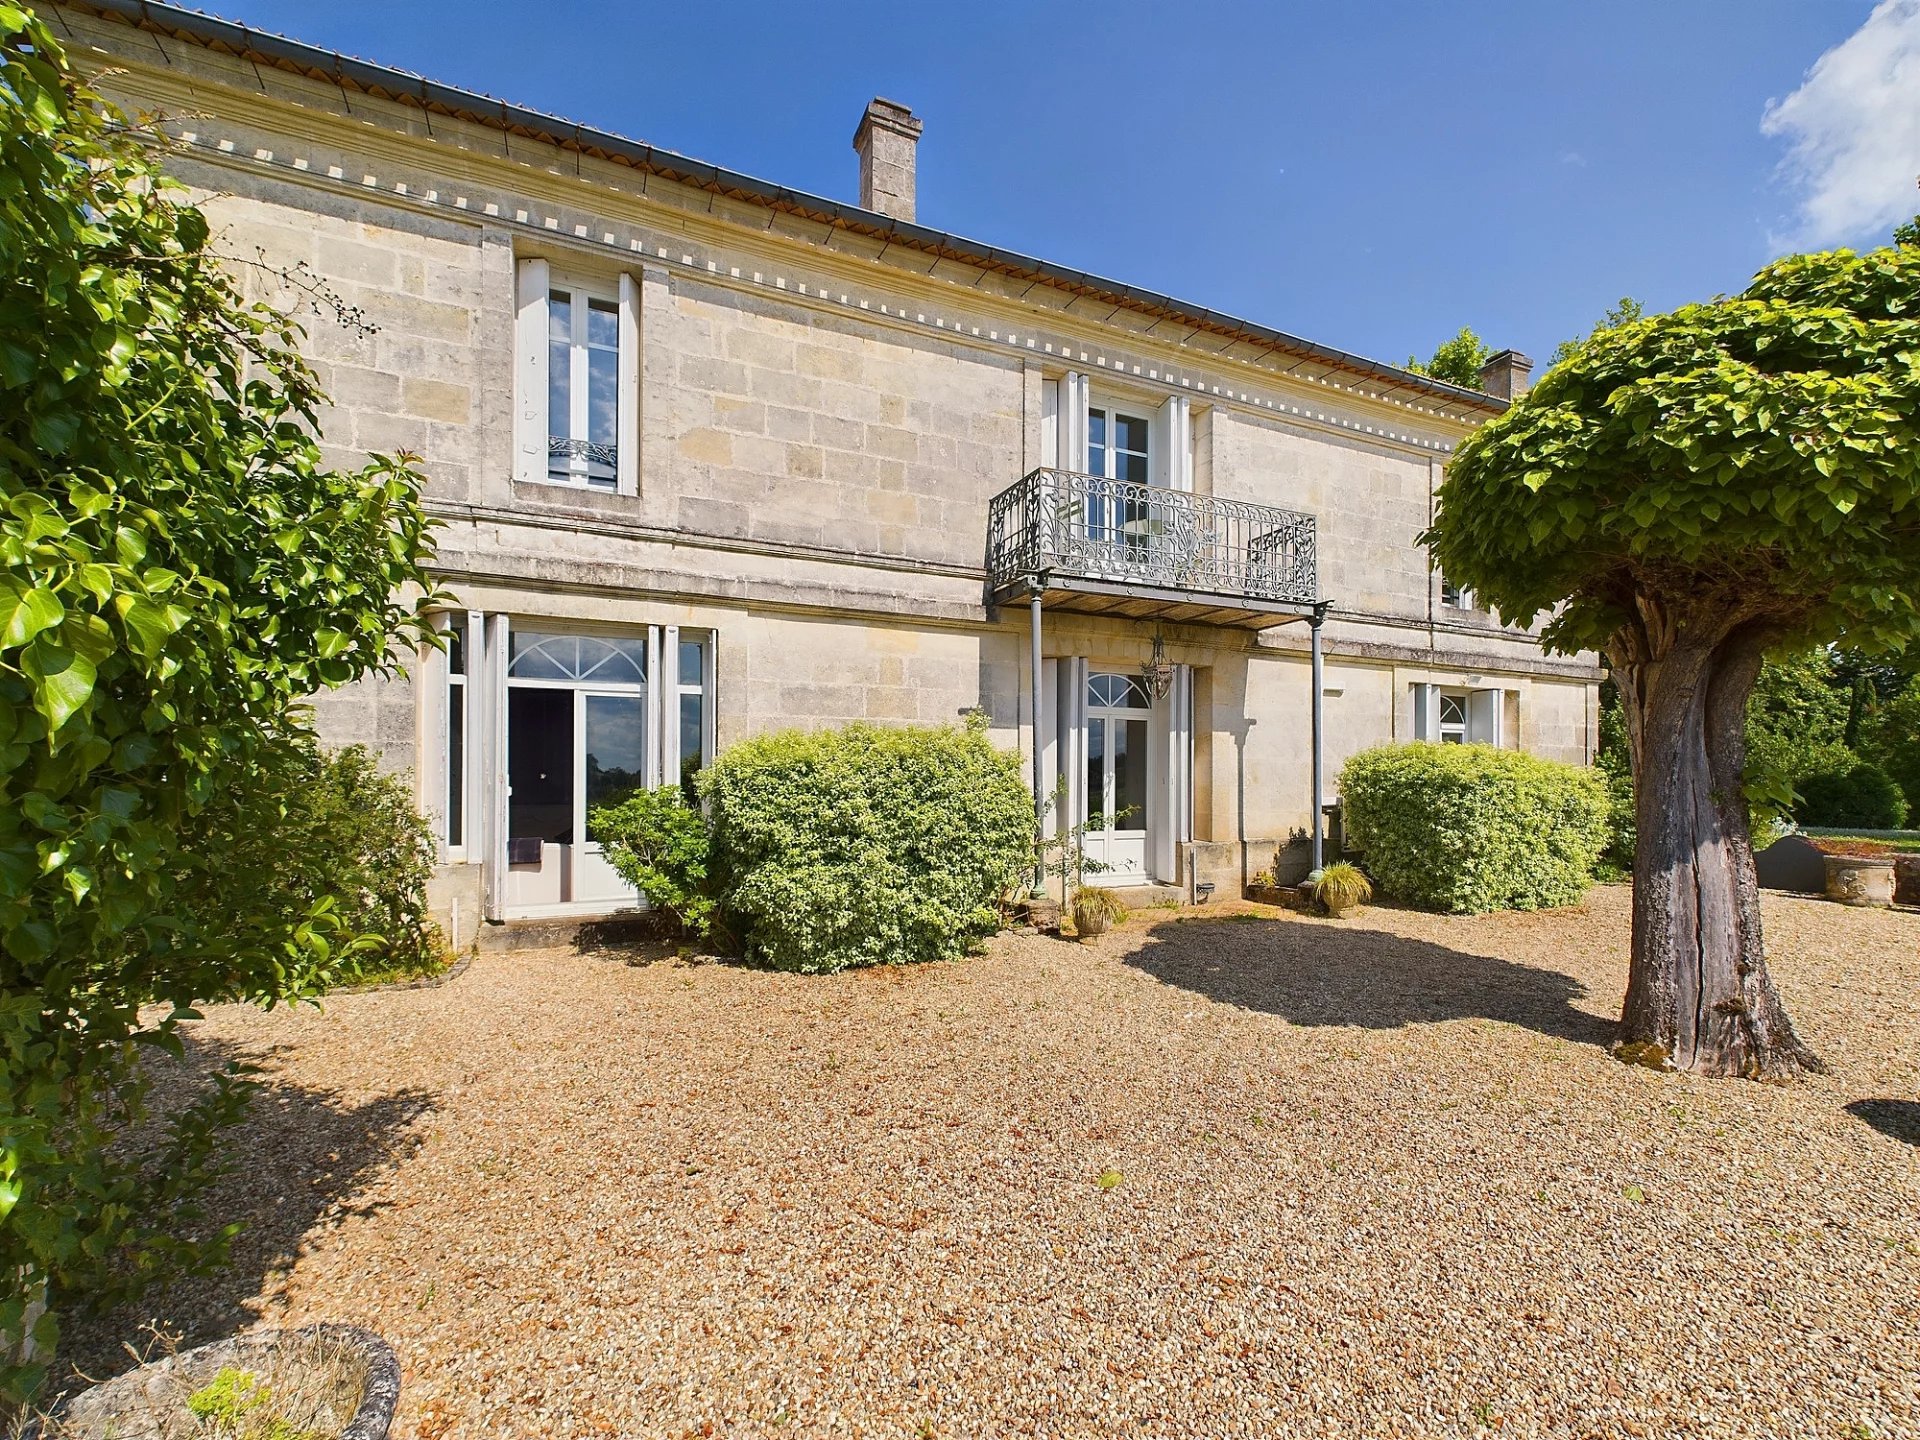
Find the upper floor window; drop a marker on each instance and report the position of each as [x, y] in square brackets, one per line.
[1455, 597]
[583, 389]
[577, 380]
[1119, 446]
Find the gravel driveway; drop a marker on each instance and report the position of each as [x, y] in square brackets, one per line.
[1239, 1175]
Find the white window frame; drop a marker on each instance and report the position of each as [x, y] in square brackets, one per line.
[1449, 732]
[449, 782]
[1455, 597]
[1108, 406]
[537, 281]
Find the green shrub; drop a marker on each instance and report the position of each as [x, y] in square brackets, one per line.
[866, 846]
[659, 844]
[1862, 797]
[324, 823]
[1467, 828]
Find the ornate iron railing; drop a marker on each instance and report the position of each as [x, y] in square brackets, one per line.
[1060, 522]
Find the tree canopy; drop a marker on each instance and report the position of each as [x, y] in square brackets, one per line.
[178, 570]
[1456, 361]
[1751, 456]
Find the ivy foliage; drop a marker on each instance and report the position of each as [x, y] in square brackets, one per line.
[178, 568]
[864, 845]
[1468, 828]
[1456, 361]
[1755, 455]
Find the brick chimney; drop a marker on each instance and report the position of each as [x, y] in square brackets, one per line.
[886, 141]
[1507, 375]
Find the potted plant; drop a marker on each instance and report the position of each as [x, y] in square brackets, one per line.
[1338, 887]
[1095, 908]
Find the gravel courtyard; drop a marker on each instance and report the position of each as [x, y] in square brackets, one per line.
[1241, 1175]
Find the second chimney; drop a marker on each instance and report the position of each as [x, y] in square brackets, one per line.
[1506, 375]
[887, 139]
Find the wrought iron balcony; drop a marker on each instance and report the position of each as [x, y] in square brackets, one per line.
[1111, 546]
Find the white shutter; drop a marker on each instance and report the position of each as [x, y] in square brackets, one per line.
[1073, 741]
[656, 682]
[476, 707]
[1075, 397]
[1426, 712]
[628, 436]
[1048, 738]
[669, 704]
[1050, 425]
[1173, 459]
[530, 372]
[493, 695]
[430, 674]
[1483, 717]
[1170, 776]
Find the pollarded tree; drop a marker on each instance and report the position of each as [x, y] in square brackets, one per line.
[1683, 494]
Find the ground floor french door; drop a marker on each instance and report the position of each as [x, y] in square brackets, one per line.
[1116, 793]
[576, 739]
[1121, 752]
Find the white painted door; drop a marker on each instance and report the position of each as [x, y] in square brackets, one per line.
[1116, 791]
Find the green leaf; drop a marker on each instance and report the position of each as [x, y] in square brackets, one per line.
[25, 611]
[63, 679]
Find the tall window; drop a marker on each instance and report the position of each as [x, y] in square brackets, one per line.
[1119, 448]
[692, 698]
[583, 389]
[1453, 719]
[455, 806]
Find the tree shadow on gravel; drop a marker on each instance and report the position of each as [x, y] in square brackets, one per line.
[304, 1159]
[1333, 975]
[1897, 1119]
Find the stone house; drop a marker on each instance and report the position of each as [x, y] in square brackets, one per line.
[713, 456]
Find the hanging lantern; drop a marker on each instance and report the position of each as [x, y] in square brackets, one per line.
[1157, 673]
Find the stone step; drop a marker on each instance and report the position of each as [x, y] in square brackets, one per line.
[568, 932]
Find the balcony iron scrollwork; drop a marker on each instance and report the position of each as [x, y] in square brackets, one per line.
[1060, 522]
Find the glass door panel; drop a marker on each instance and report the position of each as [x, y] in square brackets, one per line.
[613, 748]
[540, 801]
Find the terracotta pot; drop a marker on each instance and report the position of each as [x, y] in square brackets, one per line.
[1860, 879]
[134, 1404]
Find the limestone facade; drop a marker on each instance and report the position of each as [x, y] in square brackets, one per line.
[821, 418]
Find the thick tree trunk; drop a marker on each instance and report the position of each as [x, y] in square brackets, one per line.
[1698, 994]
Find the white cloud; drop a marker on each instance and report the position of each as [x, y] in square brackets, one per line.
[1853, 131]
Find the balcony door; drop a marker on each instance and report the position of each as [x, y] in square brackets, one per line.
[1120, 460]
[1116, 792]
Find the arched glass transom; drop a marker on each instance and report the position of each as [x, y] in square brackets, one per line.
[1117, 692]
[601, 659]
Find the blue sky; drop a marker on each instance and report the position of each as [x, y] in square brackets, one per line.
[1371, 175]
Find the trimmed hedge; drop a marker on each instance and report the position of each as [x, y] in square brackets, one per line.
[866, 846]
[1468, 828]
